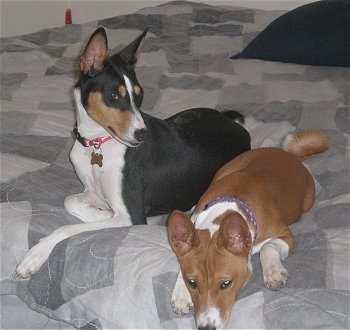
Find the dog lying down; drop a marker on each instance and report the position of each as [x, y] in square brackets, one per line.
[246, 209]
[133, 165]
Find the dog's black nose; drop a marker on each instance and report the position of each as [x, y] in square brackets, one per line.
[207, 327]
[140, 134]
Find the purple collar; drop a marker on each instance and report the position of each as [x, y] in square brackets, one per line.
[240, 204]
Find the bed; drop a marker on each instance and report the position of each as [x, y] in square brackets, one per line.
[122, 278]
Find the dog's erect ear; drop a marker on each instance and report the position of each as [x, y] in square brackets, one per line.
[234, 234]
[95, 53]
[182, 233]
[130, 53]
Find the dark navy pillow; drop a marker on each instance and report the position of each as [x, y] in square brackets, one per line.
[314, 34]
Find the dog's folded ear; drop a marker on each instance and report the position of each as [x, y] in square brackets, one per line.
[95, 53]
[234, 234]
[182, 233]
[130, 53]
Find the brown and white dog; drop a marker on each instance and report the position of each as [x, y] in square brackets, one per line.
[246, 209]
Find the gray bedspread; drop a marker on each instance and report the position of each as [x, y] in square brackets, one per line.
[123, 278]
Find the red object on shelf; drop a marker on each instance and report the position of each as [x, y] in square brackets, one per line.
[68, 18]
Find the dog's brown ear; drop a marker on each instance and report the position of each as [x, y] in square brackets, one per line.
[95, 53]
[182, 233]
[130, 53]
[234, 234]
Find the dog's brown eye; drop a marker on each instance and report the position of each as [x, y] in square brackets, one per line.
[115, 96]
[225, 284]
[192, 283]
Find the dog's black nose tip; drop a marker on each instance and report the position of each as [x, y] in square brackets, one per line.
[207, 327]
[140, 134]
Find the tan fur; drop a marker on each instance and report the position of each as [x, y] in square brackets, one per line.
[277, 188]
[113, 121]
[137, 90]
[122, 90]
[306, 144]
[260, 175]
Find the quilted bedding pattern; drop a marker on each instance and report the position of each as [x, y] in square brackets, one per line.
[123, 277]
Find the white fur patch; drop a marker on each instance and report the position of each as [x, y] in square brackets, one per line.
[130, 92]
[257, 248]
[205, 219]
[137, 121]
[288, 140]
[210, 317]
[181, 298]
[271, 254]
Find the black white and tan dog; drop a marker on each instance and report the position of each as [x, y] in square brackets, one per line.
[134, 165]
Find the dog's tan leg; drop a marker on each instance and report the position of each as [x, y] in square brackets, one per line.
[181, 298]
[271, 254]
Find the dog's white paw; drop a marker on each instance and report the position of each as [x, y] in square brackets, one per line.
[82, 207]
[275, 277]
[32, 261]
[181, 300]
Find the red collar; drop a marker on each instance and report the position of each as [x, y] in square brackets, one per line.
[96, 142]
[91, 143]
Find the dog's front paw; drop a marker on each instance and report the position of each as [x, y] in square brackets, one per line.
[275, 277]
[181, 300]
[87, 207]
[32, 261]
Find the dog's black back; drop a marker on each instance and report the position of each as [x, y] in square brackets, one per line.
[168, 163]
[158, 179]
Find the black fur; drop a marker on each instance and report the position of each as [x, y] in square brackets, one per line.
[179, 156]
[175, 164]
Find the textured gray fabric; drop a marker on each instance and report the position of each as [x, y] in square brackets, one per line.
[123, 278]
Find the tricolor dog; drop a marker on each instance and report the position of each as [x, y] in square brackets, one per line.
[134, 165]
[246, 209]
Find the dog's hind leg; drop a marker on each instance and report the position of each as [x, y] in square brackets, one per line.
[39, 253]
[88, 207]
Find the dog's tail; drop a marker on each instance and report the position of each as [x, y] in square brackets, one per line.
[234, 115]
[307, 143]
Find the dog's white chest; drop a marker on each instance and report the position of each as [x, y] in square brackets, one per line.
[104, 181]
[100, 176]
